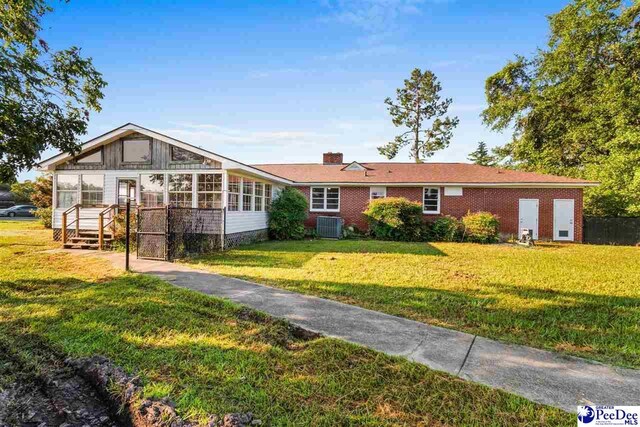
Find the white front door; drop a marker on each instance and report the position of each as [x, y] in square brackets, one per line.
[528, 213]
[563, 219]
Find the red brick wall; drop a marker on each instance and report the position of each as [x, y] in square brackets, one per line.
[503, 202]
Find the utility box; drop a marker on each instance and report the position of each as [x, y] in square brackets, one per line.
[329, 227]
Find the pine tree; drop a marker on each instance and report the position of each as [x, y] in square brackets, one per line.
[481, 155]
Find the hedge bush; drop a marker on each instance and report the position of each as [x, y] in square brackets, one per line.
[396, 218]
[287, 215]
[44, 214]
[446, 229]
[481, 227]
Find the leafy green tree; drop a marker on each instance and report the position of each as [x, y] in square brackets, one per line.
[417, 105]
[574, 106]
[22, 191]
[45, 95]
[42, 196]
[481, 155]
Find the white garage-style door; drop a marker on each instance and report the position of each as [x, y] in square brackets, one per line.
[528, 213]
[563, 219]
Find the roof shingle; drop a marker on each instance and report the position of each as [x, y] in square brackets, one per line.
[399, 173]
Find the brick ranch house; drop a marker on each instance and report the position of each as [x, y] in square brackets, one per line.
[549, 205]
[154, 170]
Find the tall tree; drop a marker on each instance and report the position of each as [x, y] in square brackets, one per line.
[42, 195]
[45, 95]
[481, 155]
[420, 109]
[575, 105]
[22, 191]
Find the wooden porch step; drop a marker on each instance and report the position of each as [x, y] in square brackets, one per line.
[89, 239]
[81, 246]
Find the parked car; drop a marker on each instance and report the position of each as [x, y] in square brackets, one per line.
[19, 210]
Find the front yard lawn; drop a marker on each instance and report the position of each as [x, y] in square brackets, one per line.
[211, 356]
[576, 299]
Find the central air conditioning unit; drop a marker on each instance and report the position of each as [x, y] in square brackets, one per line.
[329, 227]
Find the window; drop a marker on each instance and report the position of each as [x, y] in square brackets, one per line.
[377, 193]
[259, 196]
[136, 151]
[67, 190]
[94, 157]
[92, 190]
[247, 195]
[233, 188]
[152, 190]
[431, 201]
[325, 199]
[210, 190]
[180, 155]
[180, 190]
[267, 196]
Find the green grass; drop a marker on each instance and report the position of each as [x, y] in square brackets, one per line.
[211, 356]
[576, 299]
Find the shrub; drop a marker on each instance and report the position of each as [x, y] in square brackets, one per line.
[396, 218]
[44, 214]
[481, 227]
[120, 234]
[352, 232]
[446, 229]
[287, 215]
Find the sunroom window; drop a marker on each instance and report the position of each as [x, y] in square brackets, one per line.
[152, 190]
[66, 190]
[92, 190]
[210, 190]
[259, 196]
[267, 196]
[247, 195]
[180, 190]
[233, 190]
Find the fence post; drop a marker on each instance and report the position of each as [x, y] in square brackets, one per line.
[127, 222]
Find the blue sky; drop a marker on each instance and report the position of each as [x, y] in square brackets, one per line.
[284, 81]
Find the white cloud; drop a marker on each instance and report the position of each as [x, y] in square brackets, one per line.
[371, 15]
[363, 52]
[212, 136]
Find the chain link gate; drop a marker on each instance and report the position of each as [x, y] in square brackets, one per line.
[168, 233]
[152, 231]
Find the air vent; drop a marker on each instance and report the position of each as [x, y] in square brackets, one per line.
[329, 227]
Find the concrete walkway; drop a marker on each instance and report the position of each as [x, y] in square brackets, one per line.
[538, 375]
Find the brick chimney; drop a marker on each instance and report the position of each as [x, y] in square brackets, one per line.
[332, 158]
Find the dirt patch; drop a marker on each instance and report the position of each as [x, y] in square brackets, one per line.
[124, 392]
[54, 396]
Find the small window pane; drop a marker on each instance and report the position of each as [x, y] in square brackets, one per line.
[180, 155]
[317, 198]
[233, 202]
[67, 190]
[210, 191]
[92, 190]
[563, 233]
[233, 185]
[333, 198]
[247, 195]
[136, 151]
[152, 190]
[95, 157]
[180, 190]
[267, 196]
[430, 203]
